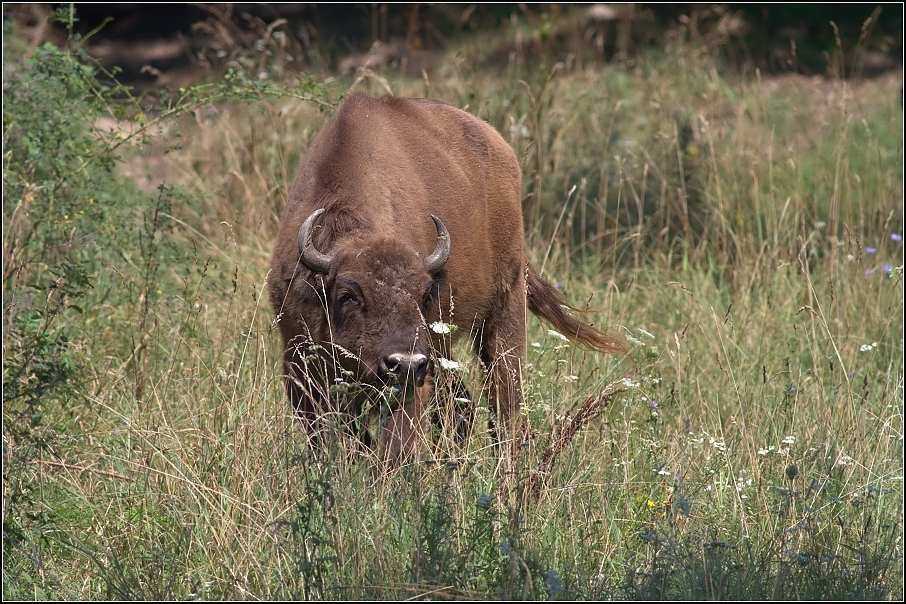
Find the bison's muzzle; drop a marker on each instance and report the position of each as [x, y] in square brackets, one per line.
[402, 369]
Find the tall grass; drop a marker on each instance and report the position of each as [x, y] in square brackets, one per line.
[744, 235]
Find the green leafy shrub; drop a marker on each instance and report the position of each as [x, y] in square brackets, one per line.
[59, 196]
[85, 251]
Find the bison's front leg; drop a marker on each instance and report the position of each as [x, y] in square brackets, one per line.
[305, 391]
[403, 435]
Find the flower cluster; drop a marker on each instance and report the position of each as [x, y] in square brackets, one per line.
[886, 267]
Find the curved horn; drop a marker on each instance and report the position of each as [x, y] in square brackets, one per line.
[441, 253]
[312, 258]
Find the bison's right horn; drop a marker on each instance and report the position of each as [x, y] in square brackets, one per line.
[438, 258]
[312, 258]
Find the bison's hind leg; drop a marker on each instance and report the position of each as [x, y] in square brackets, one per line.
[502, 350]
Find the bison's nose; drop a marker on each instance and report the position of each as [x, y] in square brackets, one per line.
[401, 368]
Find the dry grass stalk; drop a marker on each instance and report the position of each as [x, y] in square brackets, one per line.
[580, 415]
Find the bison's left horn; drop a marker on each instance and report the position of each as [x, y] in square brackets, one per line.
[312, 258]
[438, 258]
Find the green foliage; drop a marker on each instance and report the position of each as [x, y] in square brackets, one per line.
[309, 542]
[83, 250]
[54, 172]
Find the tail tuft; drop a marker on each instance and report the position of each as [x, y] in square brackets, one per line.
[547, 303]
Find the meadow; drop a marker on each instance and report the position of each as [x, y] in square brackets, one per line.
[742, 232]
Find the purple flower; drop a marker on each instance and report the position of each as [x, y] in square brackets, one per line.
[886, 268]
[868, 271]
[870, 250]
[653, 404]
[895, 237]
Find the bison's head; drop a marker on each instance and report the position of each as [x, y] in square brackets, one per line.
[378, 294]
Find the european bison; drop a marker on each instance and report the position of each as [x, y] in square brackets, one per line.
[405, 212]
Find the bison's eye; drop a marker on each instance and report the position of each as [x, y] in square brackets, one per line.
[348, 298]
[430, 297]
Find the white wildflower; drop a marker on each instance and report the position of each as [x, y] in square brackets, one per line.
[441, 328]
[741, 484]
[632, 340]
[448, 364]
[844, 459]
[644, 333]
[719, 445]
[556, 334]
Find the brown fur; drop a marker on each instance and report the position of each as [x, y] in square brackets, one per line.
[380, 168]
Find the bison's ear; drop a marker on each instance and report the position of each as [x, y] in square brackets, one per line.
[296, 277]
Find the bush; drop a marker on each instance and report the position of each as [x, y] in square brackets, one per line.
[60, 196]
[83, 251]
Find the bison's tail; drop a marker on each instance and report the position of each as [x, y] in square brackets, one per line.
[547, 303]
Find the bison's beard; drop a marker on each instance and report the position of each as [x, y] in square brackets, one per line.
[387, 397]
[374, 405]
[376, 389]
[369, 391]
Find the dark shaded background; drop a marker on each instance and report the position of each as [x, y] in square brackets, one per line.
[149, 40]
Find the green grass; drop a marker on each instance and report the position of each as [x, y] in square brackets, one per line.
[749, 446]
